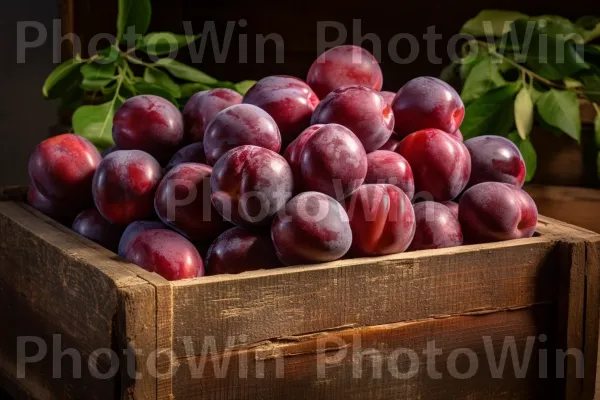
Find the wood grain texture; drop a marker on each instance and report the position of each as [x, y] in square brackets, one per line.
[53, 281]
[370, 363]
[266, 304]
[592, 319]
[137, 333]
[577, 206]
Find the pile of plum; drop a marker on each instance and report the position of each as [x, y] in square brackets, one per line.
[292, 173]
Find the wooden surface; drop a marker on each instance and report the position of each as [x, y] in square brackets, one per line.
[578, 206]
[52, 280]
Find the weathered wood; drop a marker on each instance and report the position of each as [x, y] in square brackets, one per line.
[345, 364]
[578, 206]
[369, 291]
[54, 281]
[137, 334]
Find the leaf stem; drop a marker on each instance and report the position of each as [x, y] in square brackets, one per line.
[515, 64]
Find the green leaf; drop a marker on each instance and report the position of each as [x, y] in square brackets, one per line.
[97, 76]
[160, 43]
[243, 86]
[63, 77]
[190, 89]
[134, 13]
[492, 113]
[571, 83]
[528, 152]
[591, 27]
[524, 113]
[95, 123]
[160, 78]
[591, 87]
[483, 77]
[552, 56]
[185, 72]
[150, 88]
[491, 22]
[560, 108]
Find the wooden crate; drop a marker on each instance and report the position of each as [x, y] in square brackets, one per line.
[575, 205]
[349, 329]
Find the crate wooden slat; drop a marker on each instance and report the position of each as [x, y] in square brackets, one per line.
[53, 281]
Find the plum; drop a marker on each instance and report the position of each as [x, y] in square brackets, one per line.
[360, 109]
[190, 153]
[427, 102]
[167, 253]
[250, 184]
[495, 211]
[201, 109]
[124, 186]
[239, 249]
[290, 101]
[437, 227]
[62, 212]
[333, 161]
[453, 206]
[242, 124]
[133, 230]
[183, 202]
[312, 228]
[341, 66]
[495, 159]
[151, 124]
[441, 164]
[382, 220]
[91, 224]
[392, 144]
[388, 96]
[62, 167]
[293, 154]
[385, 166]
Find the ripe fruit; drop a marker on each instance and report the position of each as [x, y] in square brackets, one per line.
[312, 228]
[360, 109]
[436, 227]
[495, 159]
[388, 96]
[392, 144]
[239, 249]
[201, 109]
[290, 101]
[427, 102]
[293, 154]
[182, 201]
[388, 167]
[250, 184]
[441, 164]
[341, 66]
[62, 168]
[242, 124]
[332, 161]
[133, 230]
[124, 186]
[60, 211]
[382, 220]
[453, 206]
[91, 224]
[167, 253]
[494, 211]
[193, 153]
[151, 124]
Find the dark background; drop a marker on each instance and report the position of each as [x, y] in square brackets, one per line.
[25, 117]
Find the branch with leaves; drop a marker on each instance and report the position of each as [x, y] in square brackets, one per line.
[95, 87]
[517, 70]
